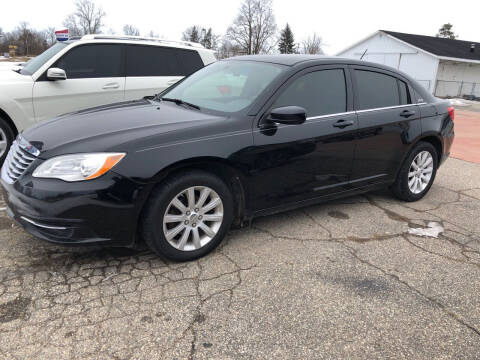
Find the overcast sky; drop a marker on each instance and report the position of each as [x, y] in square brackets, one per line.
[339, 23]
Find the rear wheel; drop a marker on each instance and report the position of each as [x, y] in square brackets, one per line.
[6, 138]
[417, 173]
[187, 216]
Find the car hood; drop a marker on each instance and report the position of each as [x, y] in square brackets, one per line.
[8, 76]
[114, 127]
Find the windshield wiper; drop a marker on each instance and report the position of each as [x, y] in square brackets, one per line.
[181, 102]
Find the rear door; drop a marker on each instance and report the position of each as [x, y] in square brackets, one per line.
[386, 120]
[299, 162]
[94, 77]
[151, 69]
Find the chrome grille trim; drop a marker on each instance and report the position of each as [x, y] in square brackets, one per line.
[16, 163]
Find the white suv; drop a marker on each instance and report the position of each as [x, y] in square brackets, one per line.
[90, 71]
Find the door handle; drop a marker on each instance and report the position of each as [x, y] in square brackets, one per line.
[343, 123]
[110, 86]
[407, 113]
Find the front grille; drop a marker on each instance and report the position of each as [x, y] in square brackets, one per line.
[16, 162]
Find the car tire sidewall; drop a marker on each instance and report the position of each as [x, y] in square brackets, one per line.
[401, 188]
[153, 226]
[10, 137]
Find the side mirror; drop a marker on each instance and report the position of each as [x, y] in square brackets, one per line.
[56, 74]
[289, 115]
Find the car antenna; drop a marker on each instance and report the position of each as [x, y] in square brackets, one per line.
[361, 57]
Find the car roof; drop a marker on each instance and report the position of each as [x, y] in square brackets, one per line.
[284, 59]
[292, 60]
[137, 40]
[296, 59]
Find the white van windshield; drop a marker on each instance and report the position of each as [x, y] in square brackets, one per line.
[36, 63]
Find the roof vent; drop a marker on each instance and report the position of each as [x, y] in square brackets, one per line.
[472, 48]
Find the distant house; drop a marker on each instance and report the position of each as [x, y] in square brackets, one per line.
[446, 67]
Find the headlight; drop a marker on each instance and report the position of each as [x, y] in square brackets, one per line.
[78, 167]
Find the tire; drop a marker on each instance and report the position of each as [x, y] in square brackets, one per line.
[154, 228]
[408, 187]
[6, 138]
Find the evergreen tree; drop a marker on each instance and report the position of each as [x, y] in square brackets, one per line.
[207, 38]
[446, 32]
[192, 34]
[286, 44]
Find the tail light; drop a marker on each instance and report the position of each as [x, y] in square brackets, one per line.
[451, 112]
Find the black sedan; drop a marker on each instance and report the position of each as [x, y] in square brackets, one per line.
[243, 137]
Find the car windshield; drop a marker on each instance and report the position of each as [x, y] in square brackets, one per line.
[225, 86]
[34, 64]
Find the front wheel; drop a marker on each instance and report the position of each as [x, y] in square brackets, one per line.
[187, 216]
[417, 173]
[6, 138]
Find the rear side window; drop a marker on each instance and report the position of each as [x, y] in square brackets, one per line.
[320, 93]
[190, 60]
[152, 61]
[376, 90]
[404, 95]
[92, 61]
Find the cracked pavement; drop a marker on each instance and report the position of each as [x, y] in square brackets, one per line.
[343, 279]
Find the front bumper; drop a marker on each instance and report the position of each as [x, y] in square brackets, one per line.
[101, 211]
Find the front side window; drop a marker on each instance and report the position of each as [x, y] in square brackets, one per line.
[376, 90]
[92, 61]
[320, 93]
[226, 86]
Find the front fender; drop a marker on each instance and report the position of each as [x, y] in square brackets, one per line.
[16, 101]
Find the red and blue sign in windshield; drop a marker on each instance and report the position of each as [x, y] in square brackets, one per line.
[62, 35]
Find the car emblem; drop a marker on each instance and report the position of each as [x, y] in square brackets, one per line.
[26, 146]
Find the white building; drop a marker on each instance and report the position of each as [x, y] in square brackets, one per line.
[446, 67]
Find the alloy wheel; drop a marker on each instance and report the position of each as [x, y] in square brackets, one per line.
[3, 142]
[420, 172]
[193, 218]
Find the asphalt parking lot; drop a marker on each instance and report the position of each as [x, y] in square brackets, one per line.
[344, 279]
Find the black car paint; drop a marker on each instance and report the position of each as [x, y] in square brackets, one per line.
[270, 169]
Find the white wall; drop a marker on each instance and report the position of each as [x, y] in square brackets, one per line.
[384, 49]
[457, 79]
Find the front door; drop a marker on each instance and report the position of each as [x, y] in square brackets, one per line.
[94, 77]
[293, 163]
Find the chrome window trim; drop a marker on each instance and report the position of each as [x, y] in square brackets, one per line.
[386, 108]
[362, 111]
[41, 225]
[330, 115]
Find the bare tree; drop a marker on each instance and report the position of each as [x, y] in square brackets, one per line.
[254, 28]
[131, 30]
[71, 24]
[49, 36]
[28, 40]
[313, 45]
[87, 18]
[227, 49]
